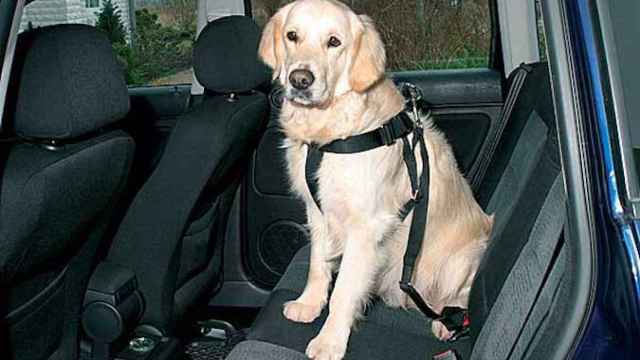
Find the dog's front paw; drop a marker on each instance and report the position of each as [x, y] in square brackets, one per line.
[300, 312]
[326, 347]
[440, 331]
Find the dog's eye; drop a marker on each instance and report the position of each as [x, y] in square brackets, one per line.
[334, 42]
[292, 36]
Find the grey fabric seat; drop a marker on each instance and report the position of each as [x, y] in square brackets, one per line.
[59, 185]
[519, 183]
[171, 236]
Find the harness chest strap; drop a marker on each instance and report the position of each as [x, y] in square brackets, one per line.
[398, 128]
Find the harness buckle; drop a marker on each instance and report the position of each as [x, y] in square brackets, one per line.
[387, 136]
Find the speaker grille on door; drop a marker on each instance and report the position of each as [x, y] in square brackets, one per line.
[279, 242]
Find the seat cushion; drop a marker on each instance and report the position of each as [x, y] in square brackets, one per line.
[412, 321]
[389, 334]
[383, 333]
[265, 351]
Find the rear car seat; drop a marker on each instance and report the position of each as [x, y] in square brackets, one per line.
[520, 180]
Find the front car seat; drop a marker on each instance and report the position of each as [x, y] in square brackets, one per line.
[59, 184]
[172, 234]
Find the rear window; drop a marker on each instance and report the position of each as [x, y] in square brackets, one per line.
[153, 39]
[420, 34]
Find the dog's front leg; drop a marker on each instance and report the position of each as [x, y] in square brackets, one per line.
[309, 305]
[355, 277]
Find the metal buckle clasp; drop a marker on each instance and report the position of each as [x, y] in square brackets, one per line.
[386, 135]
[412, 94]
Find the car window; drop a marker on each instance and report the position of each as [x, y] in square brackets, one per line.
[153, 39]
[420, 34]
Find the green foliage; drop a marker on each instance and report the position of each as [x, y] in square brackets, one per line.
[157, 50]
[110, 22]
[465, 59]
[160, 50]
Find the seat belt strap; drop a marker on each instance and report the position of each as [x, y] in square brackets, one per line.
[525, 282]
[418, 223]
[517, 81]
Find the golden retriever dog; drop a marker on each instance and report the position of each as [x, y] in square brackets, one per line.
[331, 63]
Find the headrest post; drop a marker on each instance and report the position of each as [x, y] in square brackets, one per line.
[232, 97]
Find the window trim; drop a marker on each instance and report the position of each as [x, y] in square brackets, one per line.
[519, 38]
[496, 59]
[9, 52]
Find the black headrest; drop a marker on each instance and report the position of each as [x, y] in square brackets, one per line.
[225, 56]
[67, 83]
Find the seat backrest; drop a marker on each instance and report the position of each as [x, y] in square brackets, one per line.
[519, 181]
[59, 184]
[172, 233]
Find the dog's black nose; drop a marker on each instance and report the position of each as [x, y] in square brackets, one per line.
[301, 79]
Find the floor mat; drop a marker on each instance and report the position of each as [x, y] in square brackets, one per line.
[213, 349]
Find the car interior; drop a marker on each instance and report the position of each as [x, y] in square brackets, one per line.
[153, 223]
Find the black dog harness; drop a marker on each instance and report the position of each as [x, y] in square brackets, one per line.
[398, 128]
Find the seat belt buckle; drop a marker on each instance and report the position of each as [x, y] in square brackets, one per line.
[446, 355]
[457, 321]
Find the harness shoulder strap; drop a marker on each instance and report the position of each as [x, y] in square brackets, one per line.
[398, 127]
[314, 158]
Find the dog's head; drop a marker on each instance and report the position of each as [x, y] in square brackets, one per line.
[320, 49]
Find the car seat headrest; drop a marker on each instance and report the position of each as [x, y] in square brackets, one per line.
[225, 56]
[66, 82]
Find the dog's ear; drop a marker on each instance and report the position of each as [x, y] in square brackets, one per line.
[271, 48]
[369, 57]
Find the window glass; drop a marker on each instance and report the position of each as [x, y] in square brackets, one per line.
[153, 40]
[420, 34]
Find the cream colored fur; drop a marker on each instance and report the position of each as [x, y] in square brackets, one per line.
[358, 232]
